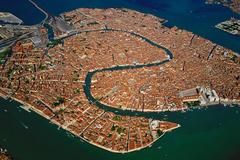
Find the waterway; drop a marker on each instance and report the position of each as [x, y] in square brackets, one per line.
[208, 134]
[192, 15]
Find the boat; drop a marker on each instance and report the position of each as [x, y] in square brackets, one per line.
[25, 126]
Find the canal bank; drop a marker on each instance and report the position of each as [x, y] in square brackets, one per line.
[194, 16]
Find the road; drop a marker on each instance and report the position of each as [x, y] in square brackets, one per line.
[9, 42]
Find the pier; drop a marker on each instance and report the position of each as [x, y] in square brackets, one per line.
[39, 8]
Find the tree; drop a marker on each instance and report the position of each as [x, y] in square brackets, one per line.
[159, 132]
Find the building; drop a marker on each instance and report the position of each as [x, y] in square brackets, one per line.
[204, 96]
[37, 41]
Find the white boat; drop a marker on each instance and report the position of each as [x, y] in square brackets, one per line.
[159, 147]
[25, 126]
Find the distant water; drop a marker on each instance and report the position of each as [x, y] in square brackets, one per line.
[205, 134]
[192, 15]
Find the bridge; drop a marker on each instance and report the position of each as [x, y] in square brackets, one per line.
[39, 8]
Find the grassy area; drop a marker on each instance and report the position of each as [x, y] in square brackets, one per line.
[121, 130]
[75, 76]
[192, 104]
[76, 91]
[114, 127]
[54, 43]
[10, 73]
[118, 129]
[78, 103]
[159, 132]
[234, 58]
[42, 67]
[117, 118]
[59, 101]
[92, 23]
[4, 53]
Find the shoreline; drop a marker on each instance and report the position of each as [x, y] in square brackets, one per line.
[145, 110]
[82, 138]
[114, 151]
[170, 55]
[88, 90]
[222, 102]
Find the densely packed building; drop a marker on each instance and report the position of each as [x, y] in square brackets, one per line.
[127, 57]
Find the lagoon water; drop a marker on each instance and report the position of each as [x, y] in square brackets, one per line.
[208, 134]
[192, 15]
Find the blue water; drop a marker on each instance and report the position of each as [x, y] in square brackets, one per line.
[192, 15]
[207, 134]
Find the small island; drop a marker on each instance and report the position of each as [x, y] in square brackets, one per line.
[231, 26]
[234, 5]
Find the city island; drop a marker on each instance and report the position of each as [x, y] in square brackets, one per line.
[70, 68]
